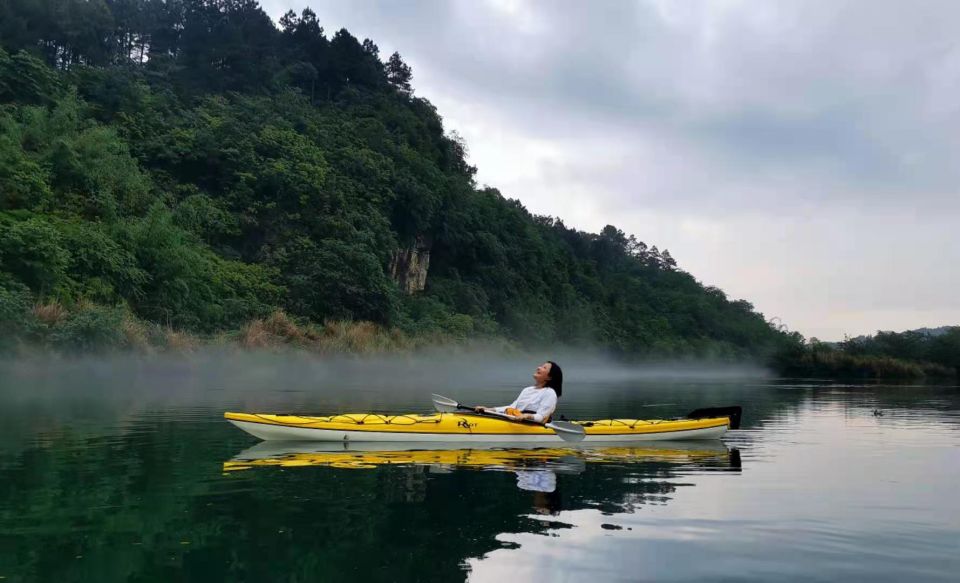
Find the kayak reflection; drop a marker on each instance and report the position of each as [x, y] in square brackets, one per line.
[536, 468]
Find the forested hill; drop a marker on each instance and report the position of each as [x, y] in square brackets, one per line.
[192, 165]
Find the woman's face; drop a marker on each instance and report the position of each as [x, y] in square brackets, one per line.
[542, 374]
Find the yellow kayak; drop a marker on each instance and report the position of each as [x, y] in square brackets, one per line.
[470, 428]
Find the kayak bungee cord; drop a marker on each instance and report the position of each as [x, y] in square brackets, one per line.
[351, 419]
[623, 422]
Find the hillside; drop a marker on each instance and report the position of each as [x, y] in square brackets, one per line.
[189, 165]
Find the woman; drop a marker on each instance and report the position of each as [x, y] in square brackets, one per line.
[536, 403]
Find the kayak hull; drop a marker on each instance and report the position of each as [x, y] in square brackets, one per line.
[464, 428]
[280, 433]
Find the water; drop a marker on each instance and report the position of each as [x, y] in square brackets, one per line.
[125, 471]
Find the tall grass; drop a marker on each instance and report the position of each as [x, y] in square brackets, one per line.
[87, 327]
[333, 336]
[49, 314]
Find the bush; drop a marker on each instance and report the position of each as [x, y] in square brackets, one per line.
[26, 79]
[15, 319]
[190, 286]
[332, 278]
[100, 269]
[24, 183]
[459, 325]
[31, 250]
[91, 329]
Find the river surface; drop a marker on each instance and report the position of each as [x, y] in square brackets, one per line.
[124, 470]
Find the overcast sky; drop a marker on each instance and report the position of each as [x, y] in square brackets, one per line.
[803, 156]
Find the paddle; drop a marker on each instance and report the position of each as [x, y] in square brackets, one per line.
[734, 413]
[564, 429]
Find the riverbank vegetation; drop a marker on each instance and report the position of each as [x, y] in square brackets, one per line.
[886, 355]
[183, 172]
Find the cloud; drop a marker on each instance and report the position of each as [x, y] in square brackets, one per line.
[775, 148]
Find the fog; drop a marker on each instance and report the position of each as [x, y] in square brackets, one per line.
[293, 381]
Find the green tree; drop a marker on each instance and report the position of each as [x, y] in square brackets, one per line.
[399, 74]
[32, 251]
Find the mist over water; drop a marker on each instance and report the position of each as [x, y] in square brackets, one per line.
[266, 381]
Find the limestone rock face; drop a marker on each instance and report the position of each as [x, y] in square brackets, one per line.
[408, 266]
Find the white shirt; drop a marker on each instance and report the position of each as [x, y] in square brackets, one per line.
[536, 480]
[543, 401]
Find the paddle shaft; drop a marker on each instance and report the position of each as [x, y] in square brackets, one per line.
[565, 430]
[498, 415]
[574, 433]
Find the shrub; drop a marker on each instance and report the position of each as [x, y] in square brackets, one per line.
[135, 334]
[31, 250]
[91, 329]
[15, 319]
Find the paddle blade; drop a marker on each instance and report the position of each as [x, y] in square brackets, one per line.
[567, 431]
[444, 404]
[733, 413]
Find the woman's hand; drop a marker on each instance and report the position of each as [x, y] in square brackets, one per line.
[480, 409]
[515, 413]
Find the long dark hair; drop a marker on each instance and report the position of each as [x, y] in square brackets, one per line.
[556, 378]
[549, 502]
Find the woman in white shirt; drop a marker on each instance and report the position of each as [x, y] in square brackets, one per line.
[537, 402]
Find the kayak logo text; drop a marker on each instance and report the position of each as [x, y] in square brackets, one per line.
[463, 423]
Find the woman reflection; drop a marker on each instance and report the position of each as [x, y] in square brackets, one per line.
[543, 484]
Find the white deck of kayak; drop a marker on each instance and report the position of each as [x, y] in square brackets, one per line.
[270, 432]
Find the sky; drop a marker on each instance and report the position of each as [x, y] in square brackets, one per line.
[803, 156]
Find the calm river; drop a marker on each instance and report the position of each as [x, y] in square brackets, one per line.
[124, 470]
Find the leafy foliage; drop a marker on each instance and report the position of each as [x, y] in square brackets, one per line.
[94, 328]
[192, 163]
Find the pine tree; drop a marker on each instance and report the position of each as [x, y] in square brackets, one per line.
[399, 74]
[371, 48]
[668, 261]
